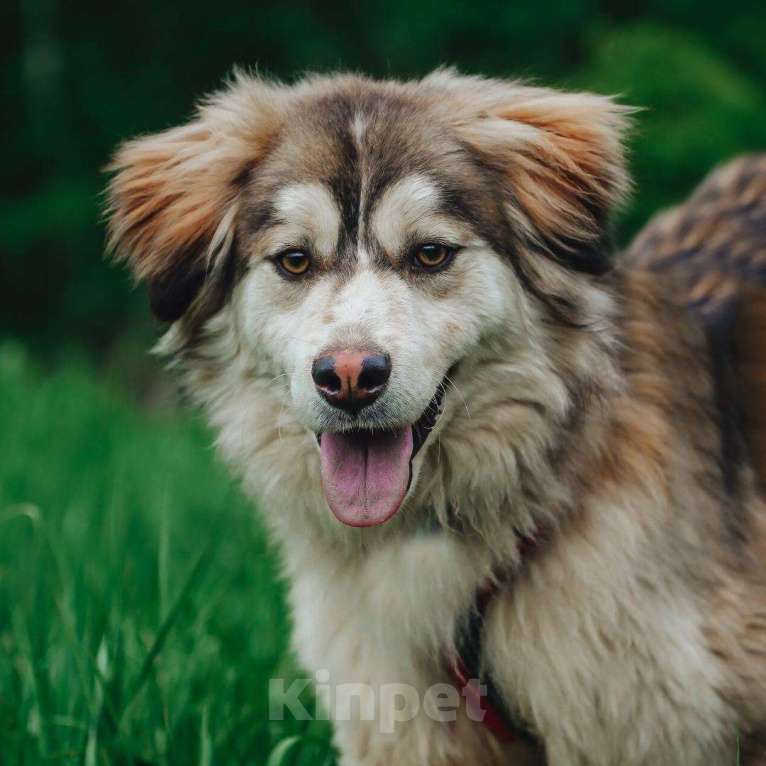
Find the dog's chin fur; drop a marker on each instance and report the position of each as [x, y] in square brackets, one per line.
[585, 413]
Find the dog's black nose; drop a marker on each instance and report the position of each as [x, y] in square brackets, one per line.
[351, 379]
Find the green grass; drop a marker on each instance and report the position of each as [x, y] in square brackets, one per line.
[140, 614]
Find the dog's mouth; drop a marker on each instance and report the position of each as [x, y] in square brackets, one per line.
[366, 473]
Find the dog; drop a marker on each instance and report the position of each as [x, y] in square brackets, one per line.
[398, 305]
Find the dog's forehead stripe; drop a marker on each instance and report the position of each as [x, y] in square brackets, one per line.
[345, 181]
[358, 127]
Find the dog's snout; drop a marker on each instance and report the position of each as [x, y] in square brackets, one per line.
[351, 379]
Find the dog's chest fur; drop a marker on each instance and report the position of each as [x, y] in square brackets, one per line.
[589, 651]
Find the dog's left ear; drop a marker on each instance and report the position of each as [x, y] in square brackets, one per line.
[561, 156]
[173, 199]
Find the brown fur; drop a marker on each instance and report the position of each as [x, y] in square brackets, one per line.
[170, 194]
[751, 342]
[713, 250]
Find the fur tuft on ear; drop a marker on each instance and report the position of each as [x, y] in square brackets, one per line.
[172, 202]
[561, 155]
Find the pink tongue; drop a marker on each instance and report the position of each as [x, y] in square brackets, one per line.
[365, 476]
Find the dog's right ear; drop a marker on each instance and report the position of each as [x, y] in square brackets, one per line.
[560, 157]
[173, 199]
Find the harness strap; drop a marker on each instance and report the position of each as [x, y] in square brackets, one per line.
[466, 671]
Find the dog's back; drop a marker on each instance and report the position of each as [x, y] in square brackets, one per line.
[714, 249]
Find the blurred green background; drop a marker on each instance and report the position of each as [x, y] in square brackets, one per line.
[140, 617]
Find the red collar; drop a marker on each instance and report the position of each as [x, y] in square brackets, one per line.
[483, 698]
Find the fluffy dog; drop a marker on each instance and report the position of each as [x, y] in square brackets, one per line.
[396, 303]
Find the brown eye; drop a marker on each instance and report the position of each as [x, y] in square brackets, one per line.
[432, 256]
[294, 263]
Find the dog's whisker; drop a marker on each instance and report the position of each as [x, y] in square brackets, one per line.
[454, 385]
[280, 436]
[277, 377]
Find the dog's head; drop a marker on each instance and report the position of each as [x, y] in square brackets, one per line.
[367, 241]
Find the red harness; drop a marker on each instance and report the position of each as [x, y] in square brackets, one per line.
[483, 699]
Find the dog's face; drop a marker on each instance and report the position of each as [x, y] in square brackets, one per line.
[367, 278]
[368, 240]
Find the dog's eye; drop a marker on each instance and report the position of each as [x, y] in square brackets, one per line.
[432, 256]
[293, 263]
